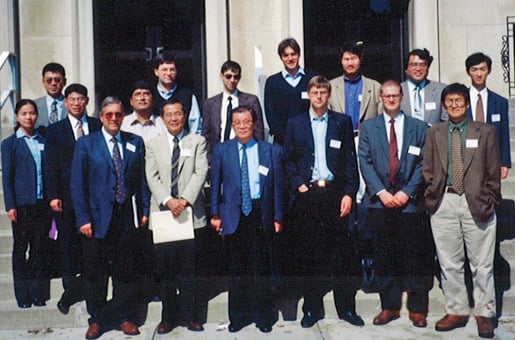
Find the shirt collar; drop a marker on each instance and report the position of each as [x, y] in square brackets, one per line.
[227, 94]
[73, 120]
[165, 93]
[133, 119]
[398, 117]
[413, 85]
[180, 136]
[300, 73]
[21, 134]
[50, 100]
[474, 92]
[352, 81]
[460, 125]
[108, 136]
[313, 117]
[250, 144]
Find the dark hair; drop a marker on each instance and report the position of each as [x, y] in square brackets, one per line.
[164, 58]
[478, 58]
[288, 42]
[319, 81]
[456, 88]
[231, 65]
[53, 67]
[245, 108]
[170, 102]
[19, 104]
[140, 85]
[354, 48]
[75, 87]
[422, 54]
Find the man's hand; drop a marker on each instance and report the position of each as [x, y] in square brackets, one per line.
[504, 172]
[303, 188]
[57, 205]
[86, 230]
[13, 215]
[400, 198]
[278, 226]
[143, 221]
[176, 206]
[345, 205]
[216, 222]
[387, 199]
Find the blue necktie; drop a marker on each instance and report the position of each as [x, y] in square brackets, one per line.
[175, 167]
[121, 193]
[246, 200]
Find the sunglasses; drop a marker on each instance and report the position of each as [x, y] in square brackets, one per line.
[235, 76]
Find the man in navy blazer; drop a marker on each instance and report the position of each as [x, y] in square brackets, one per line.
[61, 139]
[322, 172]
[391, 150]
[110, 202]
[248, 234]
[215, 115]
[479, 67]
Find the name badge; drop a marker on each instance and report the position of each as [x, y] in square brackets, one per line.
[336, 144]
[185, 153]
[263, 170]
[360, 98]
[496, 118]
[130, 147]
[41, 147]
[471, 143]
[431, 106]
[414, 150]
[304, 95]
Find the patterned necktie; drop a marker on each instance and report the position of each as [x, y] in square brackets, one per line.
[80, 131]
[175, 167]
[121, 192]
[457, 162]
[246, 200]
[54, 116]
[480, 113]
[228, 121]
[419, 110]
[392, 150]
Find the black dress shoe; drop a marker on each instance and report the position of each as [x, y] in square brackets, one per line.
[308, 320]
[63, 307]
[351, 317]
[164, 328]
[264, 328]
[24, 305]
[195, 326]
[39, 303]
[235, 327]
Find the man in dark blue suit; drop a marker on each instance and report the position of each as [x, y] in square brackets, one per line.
[492, 108]
[322, 172]
[248, 213]
[61, 138]
[111, 199]
[391, 149]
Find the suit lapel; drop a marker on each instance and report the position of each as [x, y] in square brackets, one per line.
[340, 93]
[106, 149]
[185, 145]
[473, 133]
[407, 138]
[442, 144]
[380, 131]
[365, 98]
[264, 160]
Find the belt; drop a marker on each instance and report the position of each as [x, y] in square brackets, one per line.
[321, 183]
[451, 190]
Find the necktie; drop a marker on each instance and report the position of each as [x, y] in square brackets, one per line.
[175, 167]
[457, 162]
[54, 116]
[80, 131]
[228, 122]
[120, 194]
[480, 113]
[246, 200]
[419, 110]
[392, 150]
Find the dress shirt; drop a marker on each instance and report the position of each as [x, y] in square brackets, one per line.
[223, 112]
[74, 121]
[399, 130]
[147, 130]
[108, 137]
[60, 105]
[412, 86]
[194, 119]
[319, 129]
[473, 101]
[253, 163]
[462, 127]
[353, 92]
[293, 80]
[35, 148]
[171, 146]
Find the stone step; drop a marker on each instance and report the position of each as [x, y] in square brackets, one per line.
[7, 289]
[6, 240]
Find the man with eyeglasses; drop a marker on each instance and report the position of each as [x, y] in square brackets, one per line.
[61, 139]
[216, 118]
[51, 107]
[421, 96]
[391, 148]
[461, 170]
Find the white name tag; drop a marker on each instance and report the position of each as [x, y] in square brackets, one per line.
[304, 95]
[130, 147]
[185, 153]
[335, 144]
[41, 147]
[414, 150]
[263, 170]
[496, 118]
[360, 97]
[431, 106]
[471, 143]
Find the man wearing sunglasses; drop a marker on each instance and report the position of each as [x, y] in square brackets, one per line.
[217, 109]
[51, 106]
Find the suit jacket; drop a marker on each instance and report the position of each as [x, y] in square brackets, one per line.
[374, 162]
[211, 119]
[192, 173]
[299, 153]
[226, 185]
[60, 143]
[432, 94]
[43, 112]
[370, 107]
[481, 168]
[497, 114]
[93, 180]
[19, 175]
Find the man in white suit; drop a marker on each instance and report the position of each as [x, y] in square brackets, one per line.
[51, 106]
[176, 181]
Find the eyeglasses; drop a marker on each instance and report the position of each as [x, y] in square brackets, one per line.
[173, 114]
[50, 80]
[110, 115]
[76, 100]
[235, 76]
[419, 64]
[459, 102]
[391, 96]
[243, 123]
[143, 94]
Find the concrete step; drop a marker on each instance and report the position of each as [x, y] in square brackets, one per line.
[6, 240]
[7, 288]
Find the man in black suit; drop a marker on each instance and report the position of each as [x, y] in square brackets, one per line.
[61, 139]
[322, 172]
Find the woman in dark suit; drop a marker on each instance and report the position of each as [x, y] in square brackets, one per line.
[22, 179]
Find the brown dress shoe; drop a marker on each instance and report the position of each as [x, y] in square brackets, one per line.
[195, 326]
[164, 327]
[418, 319]
[485, 327]
[450, 322]
[129, 328]
[94, 331]
[386, 316]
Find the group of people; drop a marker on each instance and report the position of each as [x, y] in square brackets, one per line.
[361, 177]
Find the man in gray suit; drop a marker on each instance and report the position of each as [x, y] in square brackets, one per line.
[217, 109]
[421, 95]
[51, 107]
